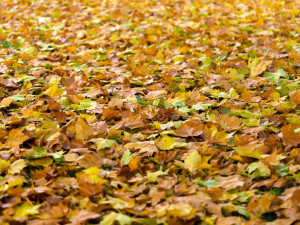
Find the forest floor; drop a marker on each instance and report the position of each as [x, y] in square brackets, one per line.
[149, 112]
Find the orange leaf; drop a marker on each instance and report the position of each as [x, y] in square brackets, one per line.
[16, 138]
[290, 137]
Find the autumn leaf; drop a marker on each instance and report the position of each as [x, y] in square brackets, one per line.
[6, 102]
[25, 210]
[189, 129]
[4, 165]
[229, 122]
[83, 216]
[113, 216]
[17, 166]
[213, 135]
[146, 147]
[289, 136]
[259, 67]
[167, 143]
[195, 162]
[82, 129]
[16, 138]
[206, 183]
[180, 210]
[103, 143]
[127, 157]
[149, 112]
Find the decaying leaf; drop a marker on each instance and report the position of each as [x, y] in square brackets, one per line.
[149, 112]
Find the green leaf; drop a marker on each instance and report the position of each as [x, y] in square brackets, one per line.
[39, 152]
[6, 44]
[64, 101]
[243, 197]
[161, 104]
[276, 191]
[282, 170]
[17, 45]
[206, 183]
[258, 169]
[18, 97]
[274, 77]
[250, 29]
[201, 106]
[100, 57]
[206, 62]
[141, 101]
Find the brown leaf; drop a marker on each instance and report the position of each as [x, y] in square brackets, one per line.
[83, 216]
[189, 129]
[289, 136]
[230, 122]
[82, 129]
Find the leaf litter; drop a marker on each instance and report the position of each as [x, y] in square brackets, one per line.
[149, 112]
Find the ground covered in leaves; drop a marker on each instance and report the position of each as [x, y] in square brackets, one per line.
[149, 112]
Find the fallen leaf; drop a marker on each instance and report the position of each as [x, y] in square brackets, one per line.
[189, 129]
[16, 138]
[17, 166]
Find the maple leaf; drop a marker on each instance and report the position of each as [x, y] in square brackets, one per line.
[82, 129]
[133, 122]
[180, 210]
[54, 90]
[147, 147]
[86, 104]
[212, 134]
[89, 185]
[17, 166]
[103, 143]
[25, 210]
[195, 118]
[189, 129]
[16, 138]
[82, 216]
[195, 162]
[127, 157]
[6, 102]
[122, 219]
[289, 136]
[229, 122]
[259, 67]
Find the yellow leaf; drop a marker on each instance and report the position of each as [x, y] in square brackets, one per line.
[193, 161]
[4, 165]
[180, 210]
[24, 210]
[17, 166]
[6, 102]
[46, 161]
[54, 90]
[258, 69]
[167, 143]
[152, 177]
